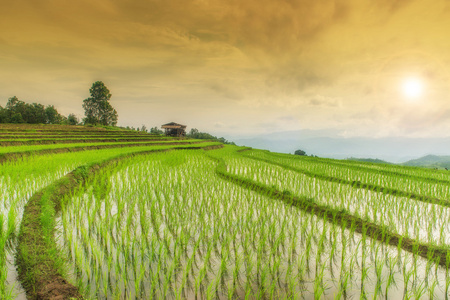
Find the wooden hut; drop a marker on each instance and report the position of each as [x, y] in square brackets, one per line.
[174, 129]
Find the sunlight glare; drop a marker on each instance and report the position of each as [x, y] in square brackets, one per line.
[412, 88]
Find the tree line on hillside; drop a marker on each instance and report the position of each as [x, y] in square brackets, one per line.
[153, 130]
[17, 111]
[98, 110]
[193, 134]
[303, 153]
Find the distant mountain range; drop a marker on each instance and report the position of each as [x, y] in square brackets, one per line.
[430, 161]
[371, 160]
[328, 143]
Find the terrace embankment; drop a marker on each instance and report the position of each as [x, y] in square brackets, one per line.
[39, 263]
[38, 266]
[439, 255]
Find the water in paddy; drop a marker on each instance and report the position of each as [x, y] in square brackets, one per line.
[179, 231]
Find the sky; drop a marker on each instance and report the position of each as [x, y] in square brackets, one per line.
[234, 67]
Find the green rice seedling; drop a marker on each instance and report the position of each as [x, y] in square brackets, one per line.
[319, 285]
[20, 178]
[391, 262]
[420, 290]
[82, 146]
[198, 232]
[286, 177]
[359, 171]
[379, 272]
[431, 289]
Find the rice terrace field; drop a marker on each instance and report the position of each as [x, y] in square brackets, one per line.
[106, 213]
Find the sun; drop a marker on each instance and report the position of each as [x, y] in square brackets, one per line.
[412, 88]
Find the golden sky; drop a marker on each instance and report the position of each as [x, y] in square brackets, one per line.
[234, 67]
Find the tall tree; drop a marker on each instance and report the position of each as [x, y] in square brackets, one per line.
[52, 116]
[35, 114]
[15, 110]
[97, 108]
[72, 119]
[3, 117]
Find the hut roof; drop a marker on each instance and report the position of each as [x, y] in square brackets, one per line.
[173, 125]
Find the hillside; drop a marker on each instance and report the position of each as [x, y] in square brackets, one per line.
[370, 160]
[328, 143]
[35, 157]
[132, 215]
[430, 161]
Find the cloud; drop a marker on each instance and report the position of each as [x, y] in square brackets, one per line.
[225, 90]
[261, 57]
[272, 25]
[324, 101]
[393, 5]
[219, 125]
[297, 78]
[414, 120]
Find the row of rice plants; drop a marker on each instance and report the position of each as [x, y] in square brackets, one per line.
[8, 138]
[19, 179]
[31, 148]
[386, 169]
[418, 184]
[421, 221]
[56, 128]
[15, 142]
[70, 133]
[89, 137]
[165, 225]
[406, 170]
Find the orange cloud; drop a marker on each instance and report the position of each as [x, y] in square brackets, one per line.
[269, 54]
